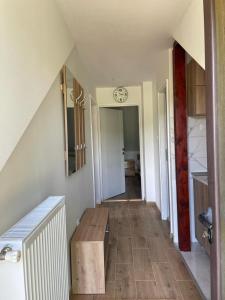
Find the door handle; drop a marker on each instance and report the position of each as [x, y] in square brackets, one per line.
[206, 220]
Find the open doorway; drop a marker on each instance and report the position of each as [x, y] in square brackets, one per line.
[120, 153]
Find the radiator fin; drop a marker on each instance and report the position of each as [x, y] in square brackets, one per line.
[42, 234]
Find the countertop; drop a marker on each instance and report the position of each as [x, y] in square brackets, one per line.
[201, 176]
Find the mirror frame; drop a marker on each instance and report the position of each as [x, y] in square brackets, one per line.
[79, 122]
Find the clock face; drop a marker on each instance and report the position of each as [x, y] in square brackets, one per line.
[120, 94]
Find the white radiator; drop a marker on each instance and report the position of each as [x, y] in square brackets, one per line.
[41, 272]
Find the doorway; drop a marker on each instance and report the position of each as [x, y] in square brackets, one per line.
[120, 153]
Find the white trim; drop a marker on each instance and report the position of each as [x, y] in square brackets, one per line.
[168, 84]
[169, 157]
[164, 207]
[165, 91]
[92, 147]
[174, 224]
[97, 153]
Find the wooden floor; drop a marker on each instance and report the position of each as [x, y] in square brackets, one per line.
[133, 189]
[143, 263]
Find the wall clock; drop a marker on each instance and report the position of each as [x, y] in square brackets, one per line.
[120, 94]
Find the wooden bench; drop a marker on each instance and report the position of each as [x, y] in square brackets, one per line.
[89, 252]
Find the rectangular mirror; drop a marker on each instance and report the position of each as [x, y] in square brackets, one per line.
[74, 122]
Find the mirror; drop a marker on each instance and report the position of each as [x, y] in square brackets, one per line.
[74, 122]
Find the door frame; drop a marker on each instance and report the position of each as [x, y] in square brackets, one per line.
[215, 82]
[99, 156]
[164, 207]
[165, 89]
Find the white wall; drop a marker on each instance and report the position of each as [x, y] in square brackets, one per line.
[35, 43]
[156, 146]
[149, 140]
[36, 169]
[104, 97]
[163, 70]
[189, 32]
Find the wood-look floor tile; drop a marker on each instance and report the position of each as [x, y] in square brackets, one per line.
[123, 227]
[128, 262]
[139, 242]
[165, 280]
[125, 289]
[124, 271]
[148, 290]
[177, 265]
[124, 250]
[142, 265]
[136, 210]
[110, 271]
[102, 297]
[110, 291]
[188, 290]
[112, 258]
[81, 297]
[157, 250]
[125, 284]
[139, 228]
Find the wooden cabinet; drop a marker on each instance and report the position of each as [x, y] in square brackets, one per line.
[89, 252]
[195, 90]
[201, 205]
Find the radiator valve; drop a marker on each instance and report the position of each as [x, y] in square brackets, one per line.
[10, 255]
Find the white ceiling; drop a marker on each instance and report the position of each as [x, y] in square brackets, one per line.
[119, 40]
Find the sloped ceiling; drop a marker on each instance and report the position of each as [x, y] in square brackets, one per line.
[190, 31]
[119, 40]
[35, 43]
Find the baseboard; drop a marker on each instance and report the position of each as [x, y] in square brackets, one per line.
[122, 200]
[150, 203]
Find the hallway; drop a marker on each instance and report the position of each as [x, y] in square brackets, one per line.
[143, 263]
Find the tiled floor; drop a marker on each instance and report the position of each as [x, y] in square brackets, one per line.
[199, 264]
[143, 263]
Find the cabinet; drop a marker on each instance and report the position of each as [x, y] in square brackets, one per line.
[201, 202]
[89, 252]
[195, 90]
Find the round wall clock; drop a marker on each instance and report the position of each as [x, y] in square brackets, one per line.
[120, 94]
